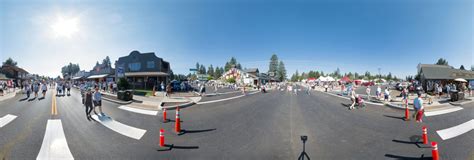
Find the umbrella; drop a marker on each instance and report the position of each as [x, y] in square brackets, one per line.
[460, 80]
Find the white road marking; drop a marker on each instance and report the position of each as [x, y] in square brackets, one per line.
[225, 99]
[6, 119]
[141, 111]
[129, 131]
[54, 142]
[456, 130]
[444, 111]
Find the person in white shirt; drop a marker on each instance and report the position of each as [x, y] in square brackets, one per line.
[378, 92]
[367, 91]
[386, 95]
[353, 99]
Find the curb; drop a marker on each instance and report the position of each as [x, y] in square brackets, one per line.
[461, 104]
[9, 96]
[175, 106]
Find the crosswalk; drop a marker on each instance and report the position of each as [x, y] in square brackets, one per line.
[455, 131]
[126, 130]
[6, 119]
[443, 111]
[54, 144]
[140, 111]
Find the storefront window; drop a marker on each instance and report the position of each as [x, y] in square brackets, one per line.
[134, 66]
[150, 64]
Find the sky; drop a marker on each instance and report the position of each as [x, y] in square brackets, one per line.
[322, 35]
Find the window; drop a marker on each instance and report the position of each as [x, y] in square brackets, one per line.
[150, 64]
[134, 66]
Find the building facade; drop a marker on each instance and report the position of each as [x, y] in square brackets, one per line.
[143, 70]
[102, 73]
[441, 74]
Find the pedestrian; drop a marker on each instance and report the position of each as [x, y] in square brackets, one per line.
[367, 91]
[436, 90]
[27, 90]
[64, 87]
[68, 87]
[405, 95]
[168, 90]
[342, 88]
[162, 86]
[88, 103]
[448, 89]
[35, 88]
[386, 95]
[98, 101]
[378, 92]
[353, 99]
[215, 88]
[419, 109]
[115, 87]
[44, 87]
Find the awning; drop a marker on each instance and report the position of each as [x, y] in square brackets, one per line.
[76, 78]
[146, 74]
[97, 76]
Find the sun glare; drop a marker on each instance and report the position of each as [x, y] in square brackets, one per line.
[65, 27]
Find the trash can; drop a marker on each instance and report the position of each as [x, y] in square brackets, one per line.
[454, 95]
[125, 95]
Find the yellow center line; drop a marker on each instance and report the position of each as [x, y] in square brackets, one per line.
[54, 110]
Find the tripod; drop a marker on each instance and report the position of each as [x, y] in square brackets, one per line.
[303, 154]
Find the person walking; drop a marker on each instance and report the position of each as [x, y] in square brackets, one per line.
[378, 92]
[419, 108]
[367, 91]
[68, 87]
[27, 90]
[353, 99]
[88, 103]
[35, 88]
[98, 101]
[44, 88]
[448, 89]
[386, 95]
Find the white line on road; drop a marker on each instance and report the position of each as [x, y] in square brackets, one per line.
[225, 99]
[444, 111]
[54, 142]
[129, 131]
[6, 119]
[141, 111]
[456, 130]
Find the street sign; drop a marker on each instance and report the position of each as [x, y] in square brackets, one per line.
[192, 69]
[120, 72]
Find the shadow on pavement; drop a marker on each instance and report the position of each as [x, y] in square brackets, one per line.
[40, 98]
[169, 147]
[415, 139]
[32, 99]
[395, 117]
[422, 157]
[183, 131]
[24, 99]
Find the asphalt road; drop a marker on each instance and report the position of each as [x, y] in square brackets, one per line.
[258, 126]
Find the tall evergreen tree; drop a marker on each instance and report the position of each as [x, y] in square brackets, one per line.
[442, 61]
[282, 71]
[210, 71]
[10, 61]
[273, 66]
[462, 67]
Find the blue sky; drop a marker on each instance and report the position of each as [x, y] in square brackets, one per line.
[356, 36]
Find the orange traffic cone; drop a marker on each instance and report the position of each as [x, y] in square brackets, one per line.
[164, 116]
[434, 151]
[162, 138]
[424, 136]
[177, 122]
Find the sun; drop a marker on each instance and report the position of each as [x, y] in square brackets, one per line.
[65, 27]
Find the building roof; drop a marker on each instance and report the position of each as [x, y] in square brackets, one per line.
[140, 56]
[443, 72]
[146, 74]
[251, 70]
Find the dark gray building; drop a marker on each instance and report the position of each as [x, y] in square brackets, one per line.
[143, 70]
[441, 74]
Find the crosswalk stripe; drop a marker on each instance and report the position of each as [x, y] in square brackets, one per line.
[129, 131]
[141, 111]
[444, 111]
[54, 142]
[6, 119]
[456, 130]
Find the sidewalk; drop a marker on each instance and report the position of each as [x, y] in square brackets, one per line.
[396, 102]
[9, 95]
[159, 101]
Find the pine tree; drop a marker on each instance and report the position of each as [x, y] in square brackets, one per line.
[210, 71]
[282, 71]
[273, 66]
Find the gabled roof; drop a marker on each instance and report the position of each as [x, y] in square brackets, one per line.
[251, 70]
[437, 72]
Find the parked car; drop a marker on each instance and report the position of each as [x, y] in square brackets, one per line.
[368, 84]
[401, 85]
